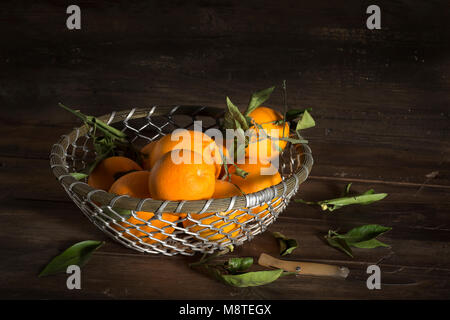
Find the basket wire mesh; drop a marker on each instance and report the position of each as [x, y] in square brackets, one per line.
[173, 227]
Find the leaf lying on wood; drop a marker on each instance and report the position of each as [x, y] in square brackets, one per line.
[359, 237]
[286, 245]
[232, 272]
[333, 204]
[248, 279]
[235, 265]
[78, 254]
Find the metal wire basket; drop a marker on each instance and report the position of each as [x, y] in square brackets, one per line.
[213, 224]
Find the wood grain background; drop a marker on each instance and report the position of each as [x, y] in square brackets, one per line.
[380, 99]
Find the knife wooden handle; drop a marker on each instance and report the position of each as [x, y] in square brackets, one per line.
[306, 268]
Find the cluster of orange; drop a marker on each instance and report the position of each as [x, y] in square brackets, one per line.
[162, 178]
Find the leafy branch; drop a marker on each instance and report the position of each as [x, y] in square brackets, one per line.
[333, 204]
[241, 122]
[104, 145]
[234, 271]
[107, 130]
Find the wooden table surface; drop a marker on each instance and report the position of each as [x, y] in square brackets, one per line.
[380, 99]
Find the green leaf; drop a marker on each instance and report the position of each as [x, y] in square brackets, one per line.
[78, 175]
[359, 237]
[340, 244]
[258, 98]
[240, 134]
[334, 204]
[239, 264]
[338, 203]
[102, 126]
[250, 279]
[370, 244]
[78, 254]
[364, 233]
[306, 122]
[233, 114]
[371, 191]
[286, 245]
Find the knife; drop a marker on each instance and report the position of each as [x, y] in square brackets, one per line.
[304, 268]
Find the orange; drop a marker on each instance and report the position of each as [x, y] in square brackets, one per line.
[110, 169]
[172, 180]
[264, 143]
[223, 189]
[256, 181]
[146, 151]
[190, 140]
[135, 184]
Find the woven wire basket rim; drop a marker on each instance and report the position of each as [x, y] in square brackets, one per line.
[59, 168]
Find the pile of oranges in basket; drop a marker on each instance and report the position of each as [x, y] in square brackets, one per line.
[204, 172]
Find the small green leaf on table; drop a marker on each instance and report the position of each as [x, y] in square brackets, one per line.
[235, 265]
[359, 237]
[286, 245]
[232, 272]
[248, 279]
[78, 254]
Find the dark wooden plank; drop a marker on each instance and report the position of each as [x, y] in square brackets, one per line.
[32, 179]
[145, 57]
[37, 230]
[365, 156]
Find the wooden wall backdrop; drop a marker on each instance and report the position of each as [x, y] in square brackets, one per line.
[380, 99]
